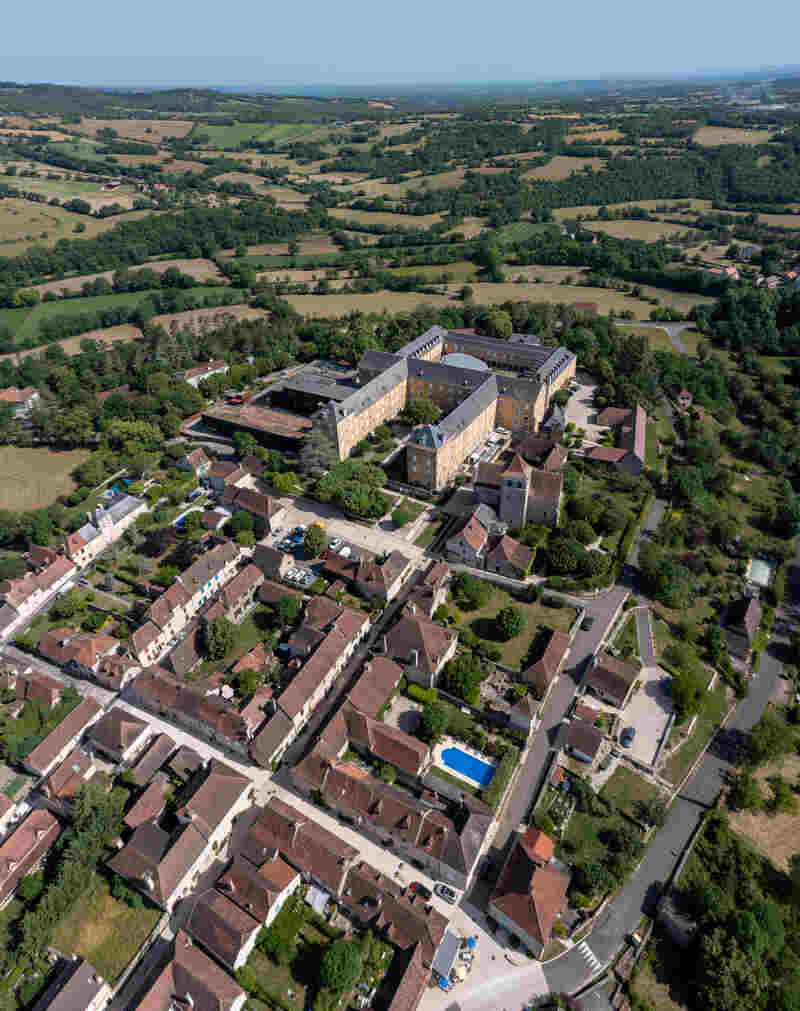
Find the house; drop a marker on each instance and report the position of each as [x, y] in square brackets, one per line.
[543, 453]
[382, 581]
[105, 526]
[150, 805]
[80, 988]
[612, 680]
[24, 596]
[378, 740]
[195, 375]
[119, 734]
[523, 715]
[742, 621]
[191, 981]
[469, 544]
[8, 813]
[260, 891]
[159, 750]
[236, 598]
[164, 866]
[431, 590]
[185, 763]
[267, 511]
[36, 685]
[196, 462]
[319, 855]
[546, 669]
[531, 892]
[521, 494]
[63, 738]
[21, 400]
[224, 929]
[273, 563]
[420, 645]
[63, 784]
[223, 473]
[23, 851]
[510, 558]
[630, 425]
[583, 740]
[81, 652]
[114, 671]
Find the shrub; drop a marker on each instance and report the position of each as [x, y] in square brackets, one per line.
[493, 793]
[340, 966]
[401, 516]
[420, 694]
[510, 621]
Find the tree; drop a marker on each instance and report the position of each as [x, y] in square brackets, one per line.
[498, 324]
[69, 605]
[340, 966]
[316, 540]
[652, 811]
[583, 532]
[509, 622]
[462, 676]
[770, 738]
[388, 773]
[421, 411]
[783, 800]
[245, 443]
[246, 538]
[219, 637]
[745, 794]
[469, 592]
[288, 610]
[565, 555]
[248, 682]
[434, 721]
[319, 453]
[687, 684]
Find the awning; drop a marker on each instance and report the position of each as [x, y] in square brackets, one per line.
[446, 953]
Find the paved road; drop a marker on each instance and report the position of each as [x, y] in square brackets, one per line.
[644, 634]
[585, 643]
[673, 331]
[650, 524]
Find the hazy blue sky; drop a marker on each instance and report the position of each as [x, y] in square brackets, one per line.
[352, 41]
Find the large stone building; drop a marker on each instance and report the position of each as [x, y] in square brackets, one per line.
[473, 400]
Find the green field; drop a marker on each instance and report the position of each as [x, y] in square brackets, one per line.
[227, 137]
[79, 149]
[24, 323]
[64, 188]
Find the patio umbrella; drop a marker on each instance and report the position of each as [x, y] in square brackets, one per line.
[471, 942]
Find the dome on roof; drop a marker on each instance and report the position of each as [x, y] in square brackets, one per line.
[462, 361]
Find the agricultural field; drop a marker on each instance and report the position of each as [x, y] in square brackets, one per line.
[80, 148]
[379, 301]
[202, 319]
[24, 224]
[594, 136]
[229, 137]
[34, 478]
[150, 131]
[385, 218]
[711, 136]
[590, 210]
[69, 189]
[286, 197]
[122, 333]
[469, 228]
[561, 166]
[648, 231]
[201, 270]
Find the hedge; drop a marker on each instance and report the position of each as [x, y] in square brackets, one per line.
[420, 694]
[627, 539]
[322, 925]
[567, 584]
[779, 585]
[493, 793]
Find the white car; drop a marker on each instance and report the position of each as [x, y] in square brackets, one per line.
[345, 552]
[334, 543]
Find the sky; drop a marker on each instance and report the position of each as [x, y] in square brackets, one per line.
[268, 43]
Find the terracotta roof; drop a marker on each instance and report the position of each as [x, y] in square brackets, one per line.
[321, 612]
[70, 728]
[534, 447]
[23, 849]
[547, 485]
[161, 747]
[511, 551]
[213, 800]
[583, 737]
[268, 559]
[247, 579]
[162, 609]
[386, 743]
[517, 467]
[255, 890]
[303, 842]
[606, 454]
[258, 708]
[378, 680]
[489, 474]
[272, 593]
[208, 565]
[66, 779]
[202, 370]
[191, 974]
[42, 687]
[256, 503]
[383, 576]
[221, 926]
[256, 659]
[416, 633]
[116, 730]
[475, 534]
[65, 645]
[270, 738]
[187, 653]
[538, 846]
[151, 855]
[185, 762]
[341, 568]
[151, 803]
[542, 672]
[15, 394]
[611, 676]
[197, 458]
[144, 636]
[610, 417]
[530, 894]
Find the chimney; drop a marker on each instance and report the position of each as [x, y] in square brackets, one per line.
[147, 877]
[414, 657]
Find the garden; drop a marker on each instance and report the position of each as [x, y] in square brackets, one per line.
[21, 734]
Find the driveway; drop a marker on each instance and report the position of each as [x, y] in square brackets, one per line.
[648, 712]
[650, 524]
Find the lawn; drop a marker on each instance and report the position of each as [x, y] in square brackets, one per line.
[23, 224]
[278, 981]
[645, 231]
[714, 708]
[391, 218]
[34, 478]
[105, 932]
[582, 841]
[709, 136]
[415, 509]
[562, 166]
[481, 621]
[625, 789]
[626, 640]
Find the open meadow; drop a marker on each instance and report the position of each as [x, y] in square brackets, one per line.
[24, 224]
[150, 131]
[561, 166]
[34, 478]
[385, 218]
[711, 136]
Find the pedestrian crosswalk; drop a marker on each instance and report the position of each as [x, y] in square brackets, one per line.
[594, 963]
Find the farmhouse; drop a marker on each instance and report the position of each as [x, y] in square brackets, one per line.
[630, 425]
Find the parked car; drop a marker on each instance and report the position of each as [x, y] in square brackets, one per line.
[417, 888]
[334, 543]
[345, 552]
[445, 892]
[627, 737]
[587, 623]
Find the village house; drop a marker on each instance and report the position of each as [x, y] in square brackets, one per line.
[197, 373]
[224, 929]
[65, 781]
[273, 563]
[430, 592]
[583, 740]
[105, 526]
[546, 669]
[23, 597]
[382, 581]
[236, 599]
[119, 735]
[224, 473]
[610, 679]
[196, 462]
[163, 866]
[630, 427]
[33, 684]
[422, 646]
[523, 715]
[519, 493]
[268, 512]
[193, 982]
[8, 814]
[81, 652]
[21, 400]
[531, 892]
[150, 805]
[742, 621]
[156, 754]
[260, 891]
[483, 544]
[23, 851]
[80, 988]
[62, 739]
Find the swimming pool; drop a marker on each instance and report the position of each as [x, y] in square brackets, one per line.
[761, 572]
[468, 766]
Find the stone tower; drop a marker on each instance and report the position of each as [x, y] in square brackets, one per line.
[514, 490]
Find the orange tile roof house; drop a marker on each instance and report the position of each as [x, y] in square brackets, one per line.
[197, 373]
[610, 679]
[544, 671]
[26, 847]
[420, 645]
[63, 738]
[22, 400]
[119, 734]
[631, 436]
[383, 581]
[62, 785]
[431, 590]
[191, 981]
[22, 597]
[531, 892]
[159, 749]
[260, 891]
[78, 651]
[196, 462]
[150, 805]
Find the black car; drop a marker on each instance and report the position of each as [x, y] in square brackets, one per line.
[587, 623]
[626, 738]
[417, 888]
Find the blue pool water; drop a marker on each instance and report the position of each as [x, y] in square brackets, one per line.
[464, 764]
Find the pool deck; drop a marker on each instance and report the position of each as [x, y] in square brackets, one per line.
[451, 742]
